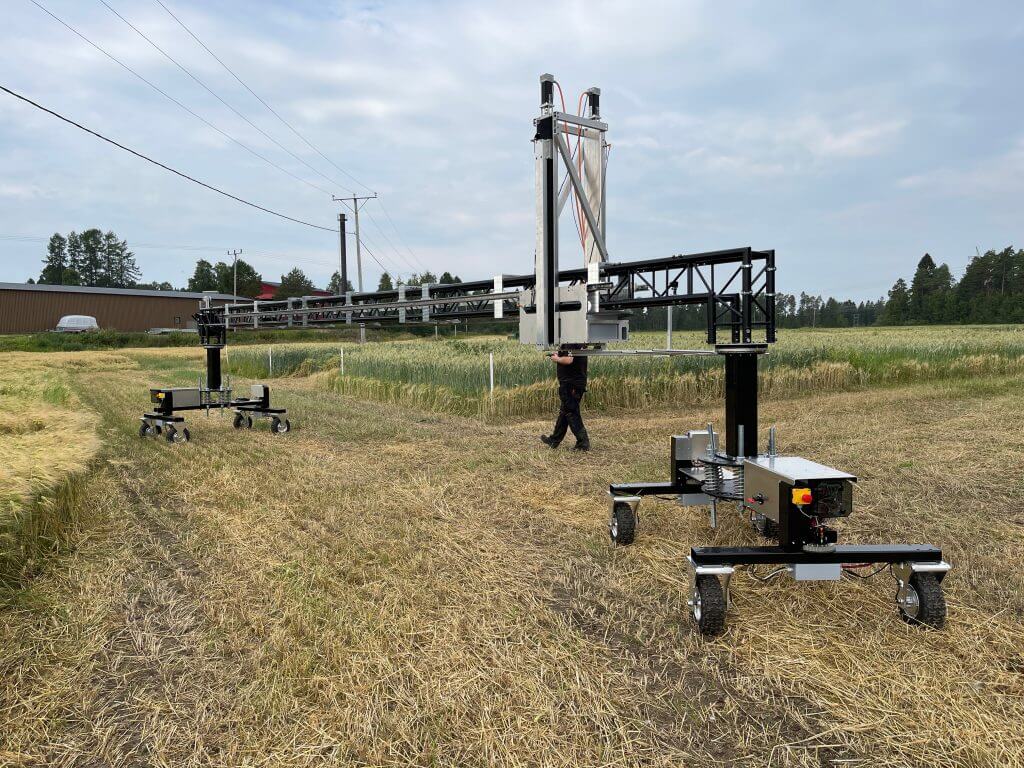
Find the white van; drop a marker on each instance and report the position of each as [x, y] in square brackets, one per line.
[77, 324]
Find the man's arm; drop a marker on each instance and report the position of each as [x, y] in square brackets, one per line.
[565, 359]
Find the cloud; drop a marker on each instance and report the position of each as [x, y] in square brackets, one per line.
[21, 191]
[737, 122]
[999, 177]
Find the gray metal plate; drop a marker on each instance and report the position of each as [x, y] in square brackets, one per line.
[794, 469]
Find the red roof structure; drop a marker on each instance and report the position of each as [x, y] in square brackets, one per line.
[268, 288]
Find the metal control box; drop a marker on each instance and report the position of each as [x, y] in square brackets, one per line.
[691, 446]
[768, 482]
[575, 322]
[176, 398]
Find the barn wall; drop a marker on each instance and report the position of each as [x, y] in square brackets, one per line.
[27, 311]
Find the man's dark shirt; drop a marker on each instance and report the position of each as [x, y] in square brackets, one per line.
[575, 373]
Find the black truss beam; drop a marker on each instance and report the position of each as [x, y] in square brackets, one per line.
[739, 297]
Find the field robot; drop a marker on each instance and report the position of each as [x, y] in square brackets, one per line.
[791, 501]
[163, 419]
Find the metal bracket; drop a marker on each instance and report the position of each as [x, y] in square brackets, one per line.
[725, 571]
[903, 571]
[633, 501]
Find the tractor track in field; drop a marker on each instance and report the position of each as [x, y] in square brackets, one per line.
[147, 664]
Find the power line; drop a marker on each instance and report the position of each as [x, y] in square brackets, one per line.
[373, 255]
[260, 99]
[399, 234]
[217, 96]
[159, 164]
[290, 127]
[166, 95]
[388, 240]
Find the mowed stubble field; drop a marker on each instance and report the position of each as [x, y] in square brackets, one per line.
[388, 586]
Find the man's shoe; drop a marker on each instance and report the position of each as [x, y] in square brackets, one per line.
[582, 446]
[550, 442]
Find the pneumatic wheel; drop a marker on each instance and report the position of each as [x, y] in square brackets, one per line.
[765, 526]
[708, 605]
[924, 604]
[622, 526]
[145, 430]
[279, 426]
[237, 422]
[248, 422]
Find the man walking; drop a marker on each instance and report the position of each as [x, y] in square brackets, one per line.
[572, 383]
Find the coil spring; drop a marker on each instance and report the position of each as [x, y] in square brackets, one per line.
[737, 481]
[715, 483]
[712, 479]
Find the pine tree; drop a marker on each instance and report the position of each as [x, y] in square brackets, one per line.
[119, 267]
[91, 269]
[335, 286]
[897, 308]
[73, 276]
[385, 283]
[203, 279]
[56, 262]
[448, 277]
[295, 283]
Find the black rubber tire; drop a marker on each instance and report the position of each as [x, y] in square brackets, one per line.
[709, 605]
[248, 422]
[169, 433]
[144, 430]
[237, 422]
[279, 427]
[623, 527]
[185, 435]
[157, 428]
[765, 526]
[931, 610]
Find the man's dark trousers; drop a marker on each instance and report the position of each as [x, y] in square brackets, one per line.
[569, 414]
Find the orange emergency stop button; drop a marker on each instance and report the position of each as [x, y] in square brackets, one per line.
[802, 496]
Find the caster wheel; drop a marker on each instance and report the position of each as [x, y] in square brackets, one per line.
[145, 430]
[708, 605]
[173, 435]
[765, 526]
[622, 526]
[279, 426]
[248, 422]
[924, 604]
[157, 428]
[237, 422]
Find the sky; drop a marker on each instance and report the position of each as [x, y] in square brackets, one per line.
[850, 137]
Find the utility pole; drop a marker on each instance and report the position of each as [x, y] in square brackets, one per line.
[355, 203]
[342, 254]
[234, 268]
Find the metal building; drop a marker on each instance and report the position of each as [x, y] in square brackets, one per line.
[28, 308]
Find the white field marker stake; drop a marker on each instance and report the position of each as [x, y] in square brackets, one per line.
[492, 371]
[270, 361]
[341, 365]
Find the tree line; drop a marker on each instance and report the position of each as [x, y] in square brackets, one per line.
[990, 291]
[93, 258]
